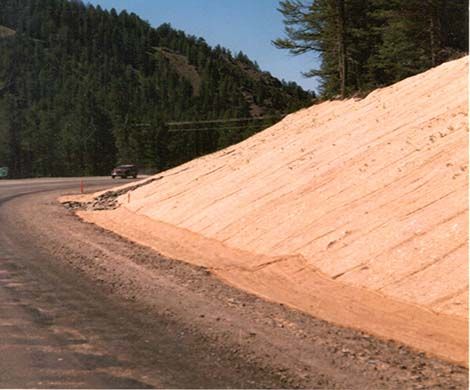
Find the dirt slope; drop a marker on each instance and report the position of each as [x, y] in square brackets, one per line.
[368, 196]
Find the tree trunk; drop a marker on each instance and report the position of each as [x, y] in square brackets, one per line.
[434, 31]
[341, 41]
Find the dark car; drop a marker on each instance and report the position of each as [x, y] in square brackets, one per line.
[125, 171]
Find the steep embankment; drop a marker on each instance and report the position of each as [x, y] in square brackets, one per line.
[355, 211]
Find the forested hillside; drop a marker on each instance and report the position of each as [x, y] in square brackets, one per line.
[365, 44]
[82, 89]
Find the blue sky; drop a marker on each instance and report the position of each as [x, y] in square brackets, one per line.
[246, 25]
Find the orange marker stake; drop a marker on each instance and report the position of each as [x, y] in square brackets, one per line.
[81, 186]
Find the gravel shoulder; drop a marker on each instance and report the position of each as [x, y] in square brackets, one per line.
[171, 324]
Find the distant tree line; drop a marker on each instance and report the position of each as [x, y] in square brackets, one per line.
[76, 81]
[365, 44]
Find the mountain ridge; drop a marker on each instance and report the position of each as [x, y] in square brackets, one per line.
[81, 76]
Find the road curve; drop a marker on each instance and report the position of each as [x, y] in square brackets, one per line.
[83, 308]
[36, 350]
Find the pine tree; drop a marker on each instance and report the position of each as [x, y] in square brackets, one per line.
[364, 44]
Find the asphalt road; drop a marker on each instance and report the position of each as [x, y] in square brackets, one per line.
[35, 351]
[83, 308]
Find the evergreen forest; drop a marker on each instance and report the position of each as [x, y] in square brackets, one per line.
[366, 44]
[83, 89]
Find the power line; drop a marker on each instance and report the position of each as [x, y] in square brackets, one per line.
[210, 128]
[214, 121]
[227, 120]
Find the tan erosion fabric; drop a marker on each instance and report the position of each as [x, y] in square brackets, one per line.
[338, 210]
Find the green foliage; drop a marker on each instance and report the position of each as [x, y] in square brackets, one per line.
[365, 44]
[76, 81]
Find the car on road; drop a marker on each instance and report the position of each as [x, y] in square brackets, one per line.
[125, 171]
